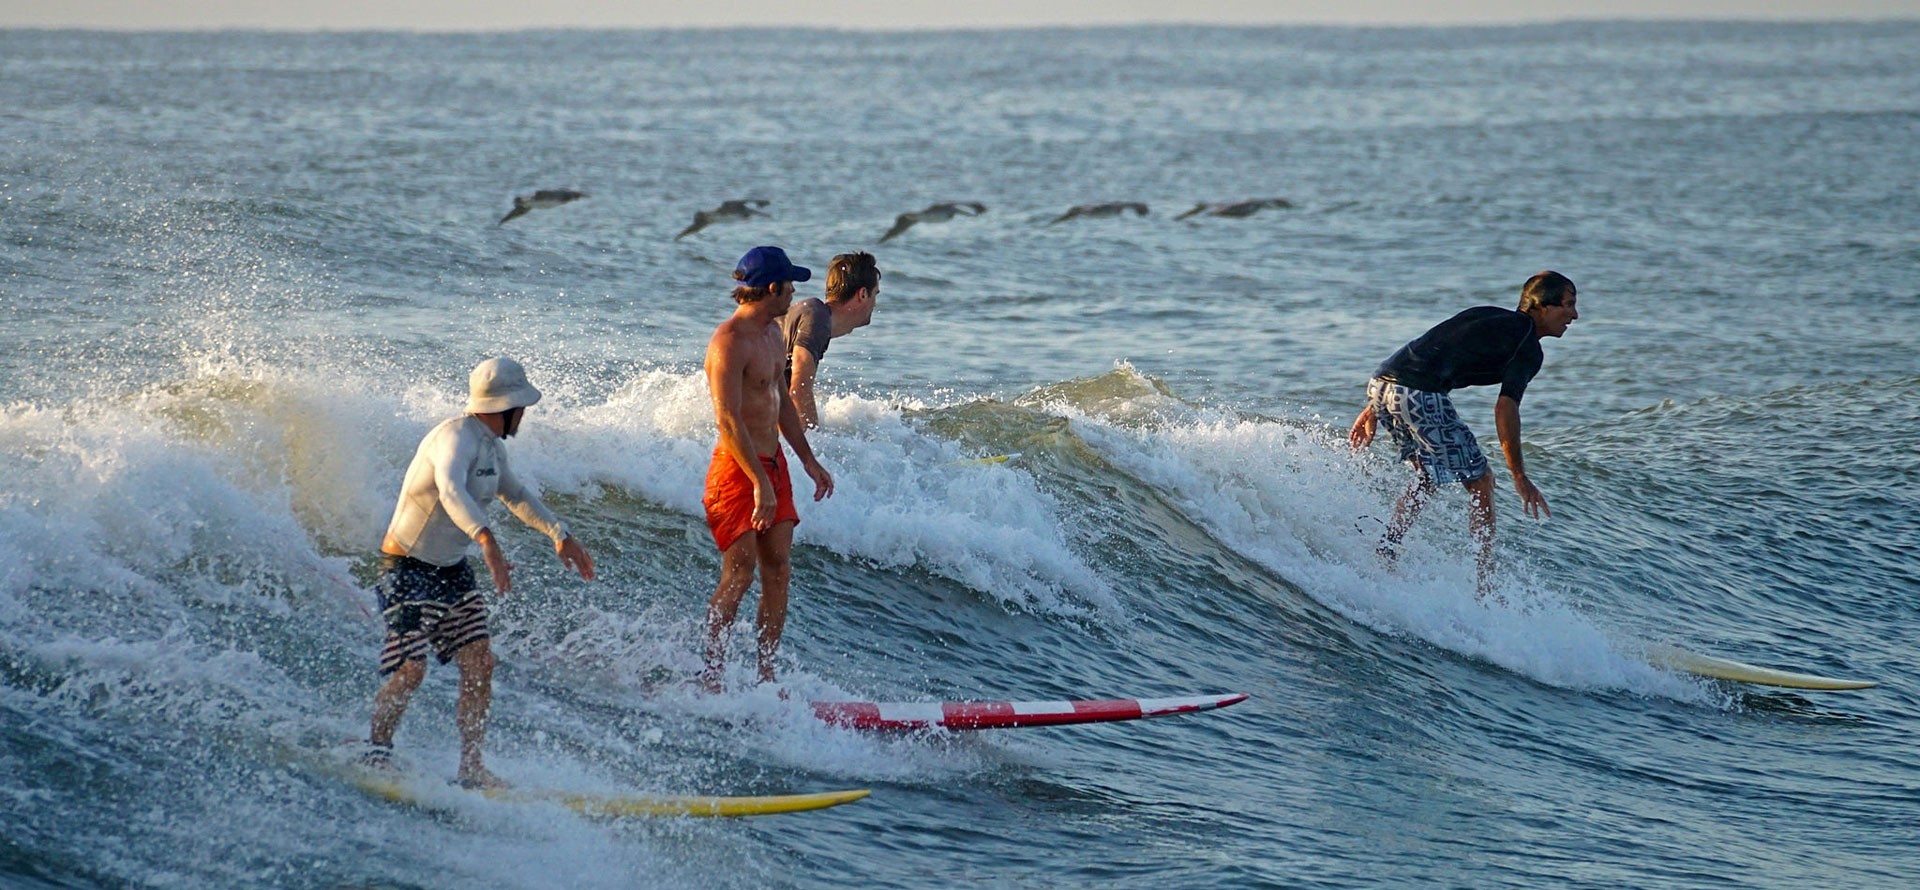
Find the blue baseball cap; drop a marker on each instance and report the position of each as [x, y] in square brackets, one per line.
[765, 265]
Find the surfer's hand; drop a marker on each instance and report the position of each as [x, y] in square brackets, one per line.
[1364, 427]
[1536, 503]
[496, 562]
[764, 503]
[822, 480]
[575, 557]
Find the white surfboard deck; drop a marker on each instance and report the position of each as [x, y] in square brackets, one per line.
[911, 716]
[1678, 659]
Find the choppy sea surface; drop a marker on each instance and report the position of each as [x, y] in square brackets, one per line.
[241, 274]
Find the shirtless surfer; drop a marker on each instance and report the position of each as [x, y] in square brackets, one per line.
[749, 495]
[853, 283]
[1482, 346]
[426, 588]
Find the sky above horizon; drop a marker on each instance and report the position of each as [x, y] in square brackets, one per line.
[465, 15]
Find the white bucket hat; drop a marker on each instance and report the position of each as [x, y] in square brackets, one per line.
[499, 384]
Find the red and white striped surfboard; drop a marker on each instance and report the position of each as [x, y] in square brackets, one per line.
[1008, 714]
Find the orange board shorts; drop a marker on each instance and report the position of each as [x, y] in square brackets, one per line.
[729, 497]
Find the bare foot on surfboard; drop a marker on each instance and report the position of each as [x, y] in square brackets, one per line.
[481, 779]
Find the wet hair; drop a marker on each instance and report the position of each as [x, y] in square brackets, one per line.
[744, 294]
[849, 272]
[1546, 289]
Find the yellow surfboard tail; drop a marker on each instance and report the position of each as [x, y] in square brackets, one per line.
[1678, 659]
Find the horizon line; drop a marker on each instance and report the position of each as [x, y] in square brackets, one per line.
[1375, 24]
[936, 29]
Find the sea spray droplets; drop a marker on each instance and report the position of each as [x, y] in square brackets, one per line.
[1288, 494]
[897, 500]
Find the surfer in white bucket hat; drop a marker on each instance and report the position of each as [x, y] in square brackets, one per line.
[428, 596]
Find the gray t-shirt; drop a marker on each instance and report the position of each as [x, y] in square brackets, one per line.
[808, 323]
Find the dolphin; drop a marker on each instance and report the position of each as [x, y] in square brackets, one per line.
[728, 211]
[1101, 211]
[934, 213]
[1237, 209]
[541, 199]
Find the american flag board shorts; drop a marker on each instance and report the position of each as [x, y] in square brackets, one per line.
[427, 606]
[1430, 433]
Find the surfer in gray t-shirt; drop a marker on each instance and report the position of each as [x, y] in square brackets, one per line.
[853, 283]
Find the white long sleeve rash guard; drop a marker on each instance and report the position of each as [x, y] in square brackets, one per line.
[459, 467]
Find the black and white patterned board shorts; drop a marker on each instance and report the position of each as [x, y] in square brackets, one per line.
[427, 606]
[1429, 432]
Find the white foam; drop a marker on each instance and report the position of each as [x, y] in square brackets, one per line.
[1290, 496]
[167, 674]
[898, 500]
[785, 731]
[651, 661]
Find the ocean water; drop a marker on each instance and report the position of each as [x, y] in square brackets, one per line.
[241, 274]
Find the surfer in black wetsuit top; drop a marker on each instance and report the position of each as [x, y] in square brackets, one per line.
[1482, 346]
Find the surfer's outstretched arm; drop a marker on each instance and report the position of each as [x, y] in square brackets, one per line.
[795, 430]
[1506, 418]
[525, 503]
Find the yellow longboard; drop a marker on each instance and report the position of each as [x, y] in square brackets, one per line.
[618, 805]
[1678, 659]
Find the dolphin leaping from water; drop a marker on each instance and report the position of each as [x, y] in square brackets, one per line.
[524, 204]
[933, 214]
[728, 211]
[1101, 211]
[1238, 209]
